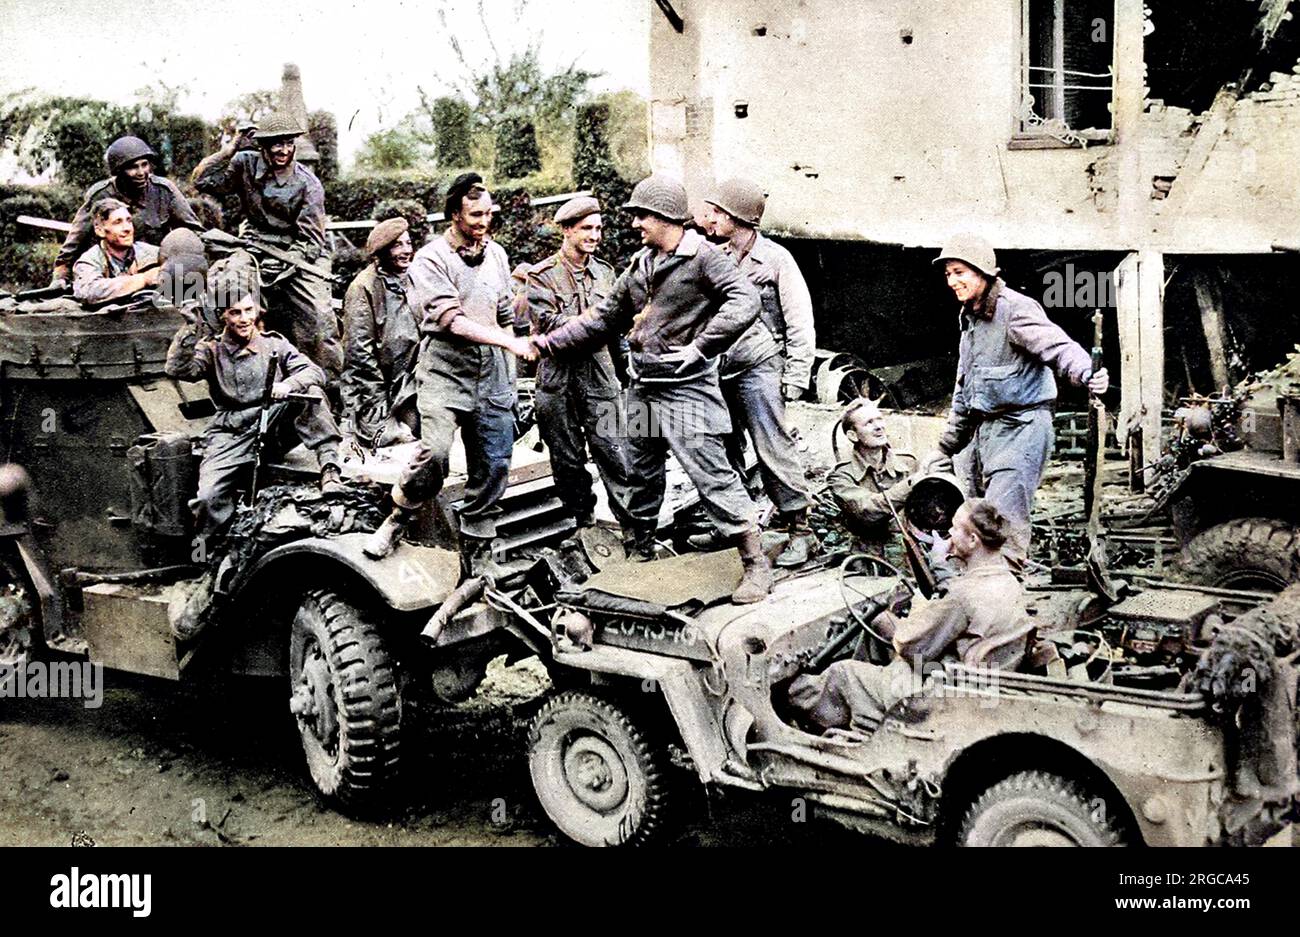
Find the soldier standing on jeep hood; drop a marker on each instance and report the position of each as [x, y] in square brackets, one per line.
[157, 206]
[284, 206]
[772, 362]
[465, 373]
[579, 399]
[682, 303]
[1005, 389]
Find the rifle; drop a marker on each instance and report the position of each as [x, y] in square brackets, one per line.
[42, 293]
[221, 240]
[1098, 573]
[263, 421]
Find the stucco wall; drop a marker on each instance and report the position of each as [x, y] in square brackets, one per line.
[857, 134]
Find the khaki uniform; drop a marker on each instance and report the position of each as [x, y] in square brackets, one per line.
[98, 276]
[289, 215]
[981, 622]
[157, 210]
[579, 400]
[381, 339]
[755, 368]
[236, 377]
[461, 383]
[865, 491]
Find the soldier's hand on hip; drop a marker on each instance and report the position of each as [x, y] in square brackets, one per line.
[1098, 382]
[791, 392]
[280, 390]
[684, 356]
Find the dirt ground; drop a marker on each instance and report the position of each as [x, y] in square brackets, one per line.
[160, 764]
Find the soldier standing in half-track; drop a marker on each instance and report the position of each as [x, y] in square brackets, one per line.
[284, 206]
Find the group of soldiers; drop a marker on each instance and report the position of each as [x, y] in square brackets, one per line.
[710, 326]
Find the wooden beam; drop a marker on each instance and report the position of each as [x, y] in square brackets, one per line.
[1210, 300]
[1140, 313]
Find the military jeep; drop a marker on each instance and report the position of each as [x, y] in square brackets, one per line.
[1148, 726]
[106, 560]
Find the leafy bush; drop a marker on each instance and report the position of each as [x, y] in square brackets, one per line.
[354, 196]
[395, 149]
[23, 266]
[519, 227]
[324, 133]
[451, 120]
[56, 202]
[516, 147]
[594, 169]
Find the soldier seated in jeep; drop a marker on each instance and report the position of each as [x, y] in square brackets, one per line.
[980, 622]
[235, 365]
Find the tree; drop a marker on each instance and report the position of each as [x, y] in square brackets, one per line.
[393, 149]
[451, 119]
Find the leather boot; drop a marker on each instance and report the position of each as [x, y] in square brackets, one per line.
[331, 480]
[709, 540]
[640, 545]
[801, 543]
[388, 534]
[756, 583]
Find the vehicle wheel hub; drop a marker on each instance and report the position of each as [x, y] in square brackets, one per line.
[311, 701]
[1035, 834]
[595, 774]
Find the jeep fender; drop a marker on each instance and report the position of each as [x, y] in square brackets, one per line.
[682, 685]
[410, 579]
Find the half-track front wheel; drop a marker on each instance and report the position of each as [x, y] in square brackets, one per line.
[344, 696]
[596, 775]
[1246, 553]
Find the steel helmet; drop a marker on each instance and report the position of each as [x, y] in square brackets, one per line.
[278, 126]
[660, 196]
[741, 199]
[124, 151]
[972, 250]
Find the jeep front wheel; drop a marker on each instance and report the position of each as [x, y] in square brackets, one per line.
[595, 774]
[1034, 808]
[344, 697]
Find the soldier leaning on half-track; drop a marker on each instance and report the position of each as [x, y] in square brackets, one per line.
[381, 338]
[157, 206]
[235, 365]
[579, 402]
[118, 265]
[284, 206]
[681, 302]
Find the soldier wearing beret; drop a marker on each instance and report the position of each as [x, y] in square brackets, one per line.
[464, 373]
[380, 341]
[579, 399]
[682, 303]
[235, 365]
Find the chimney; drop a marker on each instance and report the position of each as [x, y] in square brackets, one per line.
[291, 102]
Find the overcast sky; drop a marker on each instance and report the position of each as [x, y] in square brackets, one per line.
[362, 61]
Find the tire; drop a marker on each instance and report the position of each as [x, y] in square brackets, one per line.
[1247, 553]
[1034, 808]
[597, 777]
[345, 701]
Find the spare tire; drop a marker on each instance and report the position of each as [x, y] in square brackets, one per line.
[1259, 553]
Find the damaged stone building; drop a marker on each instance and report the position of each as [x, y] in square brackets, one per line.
[1133, 156]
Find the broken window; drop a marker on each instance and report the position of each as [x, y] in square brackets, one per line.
[1067, 71]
